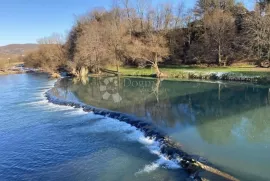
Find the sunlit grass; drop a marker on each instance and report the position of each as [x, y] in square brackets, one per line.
[178, 71]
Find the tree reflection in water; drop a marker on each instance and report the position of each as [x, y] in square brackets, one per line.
[221, 112]
[226, 123]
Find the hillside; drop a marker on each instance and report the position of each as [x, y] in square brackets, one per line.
[16, 49]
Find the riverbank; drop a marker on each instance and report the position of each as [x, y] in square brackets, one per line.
[12, 68]
[245, 74]
[19, 68]
[10, 72]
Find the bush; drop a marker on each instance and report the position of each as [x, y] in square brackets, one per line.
[48, 57]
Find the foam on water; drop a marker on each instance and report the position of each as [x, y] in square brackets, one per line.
[48, 106]
[111, 125]
[133, 134]
[161, 162]
[148, 168]
[78, 111]
[40, 101]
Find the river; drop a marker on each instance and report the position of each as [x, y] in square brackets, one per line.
[226, 124]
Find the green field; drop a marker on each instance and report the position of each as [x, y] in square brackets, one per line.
[182, 71]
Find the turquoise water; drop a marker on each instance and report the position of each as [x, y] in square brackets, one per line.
[43, 141]
[225, 123]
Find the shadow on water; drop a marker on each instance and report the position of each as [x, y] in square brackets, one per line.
[224, 116]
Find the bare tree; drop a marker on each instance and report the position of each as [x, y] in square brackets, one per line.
[90, 50]
[50, 55]
[219, 32]
[116, 37]
[262, 5]
[203, 6]
[151, 47]
[179, 15]
[142, 6]
[129, 14]
[167, 15]
[150, 19]
[257, 34]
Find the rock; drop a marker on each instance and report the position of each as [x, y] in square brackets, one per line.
[76, 105]
[125, 119]
[135, 123]
[159, 137]
[103, 113]
[265, 64]
[115, 115]
[143, 124]
[87, 109]
[152, 133]
[55, 75]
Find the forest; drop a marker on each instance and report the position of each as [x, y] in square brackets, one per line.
[138, 34]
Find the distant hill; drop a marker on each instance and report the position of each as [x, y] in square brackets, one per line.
[17, 49]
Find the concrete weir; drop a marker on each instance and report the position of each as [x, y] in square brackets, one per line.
[168, 147]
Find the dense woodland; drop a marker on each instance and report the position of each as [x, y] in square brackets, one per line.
[135, 33]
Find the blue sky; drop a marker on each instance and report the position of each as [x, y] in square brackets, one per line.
[24, 21]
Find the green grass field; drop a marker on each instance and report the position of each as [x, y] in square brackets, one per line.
[179, 71]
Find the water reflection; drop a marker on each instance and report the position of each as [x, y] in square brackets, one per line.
[228, 107]
[228, 123]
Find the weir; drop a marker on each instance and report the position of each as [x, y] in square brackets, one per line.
[169, 148]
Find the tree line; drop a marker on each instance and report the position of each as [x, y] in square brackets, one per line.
[135, 33]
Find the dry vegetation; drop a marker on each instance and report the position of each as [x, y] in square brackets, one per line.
[49, 56]
[219, 32]
[12, 54]
[7, 61]
[2, 65]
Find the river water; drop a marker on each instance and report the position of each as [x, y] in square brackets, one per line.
[43, 141]
[226, 124]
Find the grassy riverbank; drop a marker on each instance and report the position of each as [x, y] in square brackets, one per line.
[240, 73]
[8, 68]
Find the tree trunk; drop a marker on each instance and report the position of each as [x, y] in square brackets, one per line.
[117, 67]
[219, 54]
[225, 61]
[116, 62]
[156, 69]
[155, 65]
[83, 72]
[141, 24]
[268, 54]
